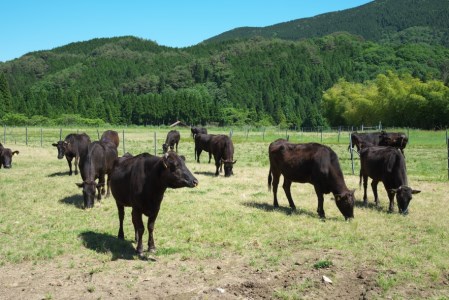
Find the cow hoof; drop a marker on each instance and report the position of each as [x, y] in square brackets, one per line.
[152, 250]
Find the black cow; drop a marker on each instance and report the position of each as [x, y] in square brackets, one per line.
[110, 136]
[222, 148]
[98, 163]
[364, 139]
[6, 155]
[197, 130]
[309, 163]
[73, 146]
[397, 140]
[202, 142]
[386, 164]
[172, 139]
[140, 182]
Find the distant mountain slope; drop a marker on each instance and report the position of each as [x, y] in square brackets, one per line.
[373, 21]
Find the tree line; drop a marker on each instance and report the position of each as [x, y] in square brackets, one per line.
[260, 81]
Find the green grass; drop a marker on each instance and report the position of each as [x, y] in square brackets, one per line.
[41, 216]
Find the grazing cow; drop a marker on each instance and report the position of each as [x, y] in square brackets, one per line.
[386, 164]
[140, 182]
[309, 163]
[202, 142]
[110, 136]
[172, 139]
[73, 146]
[197, 130]
[397, 140]
[222, 149]
[362, 140]
[98, 162]
[6, 155]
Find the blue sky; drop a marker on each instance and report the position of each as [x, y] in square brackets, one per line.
[31, 25]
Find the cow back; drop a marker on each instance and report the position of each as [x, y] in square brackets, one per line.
[110, 136]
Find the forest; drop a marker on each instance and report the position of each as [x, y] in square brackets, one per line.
[337, 79]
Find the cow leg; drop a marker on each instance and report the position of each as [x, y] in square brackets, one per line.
[286, 186]
[69, 162]
[275, 184]
[198, 152]
[320, 209]
[365, 186]
[77, 158]
[151, 220]
[391, 198]
[210, 156]
[374, 187]
[139, 229]
[121, 216]
[108, 191]
[217, 166]
[176, 147]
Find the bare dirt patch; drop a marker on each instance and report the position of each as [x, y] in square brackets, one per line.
[230, 277]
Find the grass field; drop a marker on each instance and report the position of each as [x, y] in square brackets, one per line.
[225, 233]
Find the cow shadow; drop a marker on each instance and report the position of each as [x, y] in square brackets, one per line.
[75, 200]
[105, 243]
[58, 174]
[371, 205]
[284, 209]
[205, 173]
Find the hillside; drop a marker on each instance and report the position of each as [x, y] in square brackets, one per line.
[257, 81]
[377, 20]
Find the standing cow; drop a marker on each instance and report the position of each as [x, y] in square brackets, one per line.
[171, 141]
[197, 130]
[98, 163]
[309, 163]
[110, 136]
[386, 164]
[6, 155]
[222, 148]
[73, 146]
[202, 142]
[140, 182]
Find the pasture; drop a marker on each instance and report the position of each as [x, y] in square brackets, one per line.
[222, 239]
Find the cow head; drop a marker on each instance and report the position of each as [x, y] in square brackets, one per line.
[345, 203]
[89, 188]
[164, 148]
[403, 197]
[6, 157]
[175, 173]
[61, 148]
[228, 164]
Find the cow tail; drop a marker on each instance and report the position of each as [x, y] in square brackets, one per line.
[270, 179]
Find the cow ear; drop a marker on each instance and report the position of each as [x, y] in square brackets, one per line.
[416, 191]
[54, 144]
[165, 160]
[80, 185]
[15, 152]
[234, 161]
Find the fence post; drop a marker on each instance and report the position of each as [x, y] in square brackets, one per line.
[339, 132]
[447, 141]
[124, 148]
[263, 134]
[98, 134]
[26, 135]
[351, 151]
[60, 134]
[321, 131]
[41, 136]
[155, 143]
[4, 134]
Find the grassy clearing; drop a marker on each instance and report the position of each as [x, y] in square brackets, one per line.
[41, 216]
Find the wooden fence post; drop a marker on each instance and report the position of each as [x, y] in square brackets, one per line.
[60, 134]
[155, 146]
[351, 151]
[124, 148]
